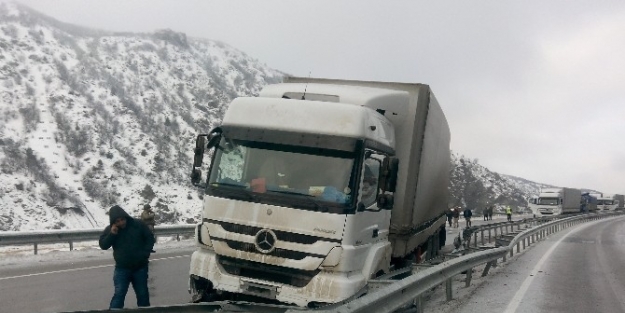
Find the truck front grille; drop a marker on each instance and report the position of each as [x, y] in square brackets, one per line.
[281, 253]
[255, 270]
[281, 235]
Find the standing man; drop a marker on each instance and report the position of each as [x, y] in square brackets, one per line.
[132, 242]
[456, 216]
[509, 213]
[467, 216]
[450, 215]
[485, 213]
[490, 213]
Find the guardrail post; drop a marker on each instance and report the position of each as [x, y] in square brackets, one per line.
[482, 235]
[504, 257]
[71, 246]
[489, 236]
[469, 276]
[511, 252]
[449, 291]
[523, 244]
[418, 304]
[475, 242]
[178, 237]
[487, 268]
[35, 248]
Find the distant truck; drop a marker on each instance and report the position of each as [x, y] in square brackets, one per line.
[317, 186]
[606, 202]
[619, 200]
[556, 201]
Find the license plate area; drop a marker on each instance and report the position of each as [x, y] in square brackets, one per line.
[259, 290]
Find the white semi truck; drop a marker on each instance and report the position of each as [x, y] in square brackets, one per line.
[606, 202]
[555, 201]
[317, 186]
[619, 201]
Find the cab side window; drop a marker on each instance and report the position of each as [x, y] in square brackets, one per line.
[370, 181]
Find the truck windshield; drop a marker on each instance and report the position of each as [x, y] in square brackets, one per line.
[316, 179]
[548, 201]
[605, 202]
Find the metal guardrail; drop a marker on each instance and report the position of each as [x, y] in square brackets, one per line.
[407, 293]
[70, 236]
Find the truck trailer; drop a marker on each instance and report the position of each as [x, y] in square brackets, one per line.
[317, 186]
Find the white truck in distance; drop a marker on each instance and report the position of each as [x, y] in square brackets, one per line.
[555, 201]
[619, 200]
[317, 186]
[606, 202]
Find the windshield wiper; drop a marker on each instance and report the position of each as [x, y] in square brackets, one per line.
[238, 193]
[228, 185]
[291, 193]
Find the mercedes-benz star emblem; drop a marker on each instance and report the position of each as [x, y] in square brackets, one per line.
[265, 241]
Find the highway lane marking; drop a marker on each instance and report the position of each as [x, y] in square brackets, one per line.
[516, 300]
[85, 268]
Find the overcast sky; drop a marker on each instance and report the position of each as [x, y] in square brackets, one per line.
[534, 88]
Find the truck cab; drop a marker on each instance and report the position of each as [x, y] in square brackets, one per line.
[296, 203]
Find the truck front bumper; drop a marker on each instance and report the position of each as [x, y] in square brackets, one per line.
[325, 287]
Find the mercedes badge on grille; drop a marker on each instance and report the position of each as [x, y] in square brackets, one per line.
[265, 241]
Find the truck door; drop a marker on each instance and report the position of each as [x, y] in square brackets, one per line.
[370, 223]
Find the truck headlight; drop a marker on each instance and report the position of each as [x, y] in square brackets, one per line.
[202, 236]
[333, 258]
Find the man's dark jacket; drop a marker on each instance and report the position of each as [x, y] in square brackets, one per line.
[467, 213]
[132, 245]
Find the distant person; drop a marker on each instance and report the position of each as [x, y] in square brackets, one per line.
[456, 216]
[485, 212]
[132, 243]
[490, 213]
[509, 213]
[467, 216]
[147, 216]
[450, 215]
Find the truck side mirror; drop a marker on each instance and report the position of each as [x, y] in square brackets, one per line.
[214, 141]
[388, 177]
[196, 176]
[200, 144]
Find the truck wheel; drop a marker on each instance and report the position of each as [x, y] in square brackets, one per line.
[202, 290]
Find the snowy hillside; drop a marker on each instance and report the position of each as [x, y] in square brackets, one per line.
[473, 185]
[89, 118]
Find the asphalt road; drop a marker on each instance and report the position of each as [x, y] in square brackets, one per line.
[88, 284]
[576, 270]
[85, 283]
